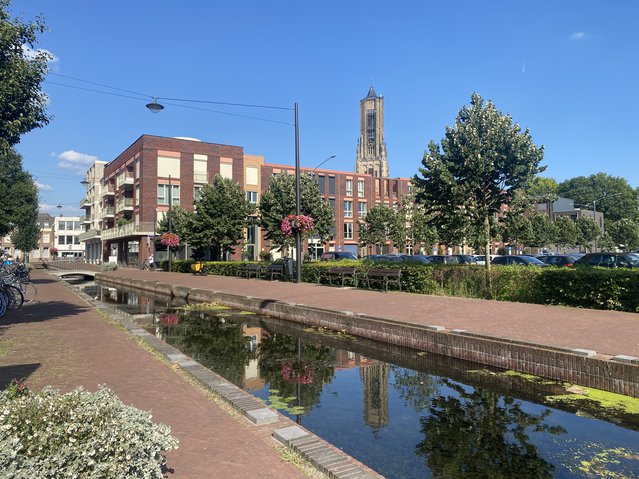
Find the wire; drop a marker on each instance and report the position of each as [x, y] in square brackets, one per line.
[231, 114]
[92, 90]
[100, 84]
[225, 103]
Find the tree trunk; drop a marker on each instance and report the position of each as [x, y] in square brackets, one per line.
[489, 285]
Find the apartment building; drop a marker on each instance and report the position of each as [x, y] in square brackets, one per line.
[137, 186]
[67, 236]
[92, 204]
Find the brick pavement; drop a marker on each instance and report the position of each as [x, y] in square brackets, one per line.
[62, 342]
[609, 333]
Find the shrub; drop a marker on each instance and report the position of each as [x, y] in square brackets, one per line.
[109, 266]
[79, 434]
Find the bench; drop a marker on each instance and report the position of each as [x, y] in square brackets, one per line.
[342, 273]
[275, 270]
[250, 270]
[390, 276]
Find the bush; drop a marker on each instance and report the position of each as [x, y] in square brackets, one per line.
[79, 434]
[109, 266]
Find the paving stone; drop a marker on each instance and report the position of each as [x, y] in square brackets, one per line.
[286, 434]
[262, 416]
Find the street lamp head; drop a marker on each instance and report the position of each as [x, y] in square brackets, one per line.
[154, 106]
[84, 182]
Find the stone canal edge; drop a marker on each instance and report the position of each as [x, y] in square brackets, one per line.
[325, 457]
[618, 374]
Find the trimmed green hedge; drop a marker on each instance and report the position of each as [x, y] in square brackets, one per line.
[584, 287]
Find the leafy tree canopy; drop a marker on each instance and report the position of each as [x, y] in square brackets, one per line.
[18, 193]
[624, 232]
[543, 231]
[587, 231]
[22, 70]
[622, 201]
[542, 189]
[566, 233]
[279, 201]
[381, 224]
[481, 165]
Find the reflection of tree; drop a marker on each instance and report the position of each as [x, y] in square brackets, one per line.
[214, 342]
[477, 435]
[277, 350]
[416, 388]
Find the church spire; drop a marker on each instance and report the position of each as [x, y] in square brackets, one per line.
[371, 147]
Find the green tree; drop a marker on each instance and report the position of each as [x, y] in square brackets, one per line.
[623, 201]
[542, 189]
[543, 231]
[624, 232]
[517, 229]
[18, 193]
[221, 214]
[26, 234]
[483, 162]
[22, 104]
[587, 232]
[566, 233]
[279, 201]
[605, 242]
[417, 229]
[381, 224]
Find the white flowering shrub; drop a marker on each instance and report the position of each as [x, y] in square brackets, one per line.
[109, 266]
[79, 435]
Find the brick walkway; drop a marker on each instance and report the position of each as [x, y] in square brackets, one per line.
[60, 341]
[609, 333]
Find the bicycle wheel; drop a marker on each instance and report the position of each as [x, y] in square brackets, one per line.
[29, 292]
[15, 299]
[3, 303]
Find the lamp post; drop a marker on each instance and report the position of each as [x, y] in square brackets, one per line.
[155, 107]
[594, 214]
[315, 169]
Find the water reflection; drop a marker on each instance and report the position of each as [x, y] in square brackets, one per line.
[402, 413]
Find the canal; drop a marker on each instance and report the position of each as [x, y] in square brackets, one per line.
[404, 413]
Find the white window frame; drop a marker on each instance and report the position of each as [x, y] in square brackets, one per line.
[348, 209]
[349, 187]
[360, 187]
[348, 231]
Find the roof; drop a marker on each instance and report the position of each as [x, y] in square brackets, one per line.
[371, 93]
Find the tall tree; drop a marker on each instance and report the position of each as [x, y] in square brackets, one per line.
[22, 71]
[279, 201]
[481, 165]
[221, 214]
[565, 232]
[542, 189]
[587, 232]
[18, 193]
[543, 231]
[26, 234]
[382, 224]
[622, 200]
[517, 229]
[624, 232]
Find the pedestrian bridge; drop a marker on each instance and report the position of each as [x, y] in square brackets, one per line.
[70, 274]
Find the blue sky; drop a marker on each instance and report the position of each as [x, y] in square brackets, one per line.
[566, 70]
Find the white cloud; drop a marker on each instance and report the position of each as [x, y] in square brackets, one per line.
[30, 53]
[75, 161]
[43, 187]
[578, 36]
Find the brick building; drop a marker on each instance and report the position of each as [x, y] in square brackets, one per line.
[134, 194]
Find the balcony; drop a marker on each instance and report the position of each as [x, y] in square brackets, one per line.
[85, 203]
[124, 180]
[124, 204]
[130, 229]
[86, 219]
[88, 235]
[108, 212]
[108, 190]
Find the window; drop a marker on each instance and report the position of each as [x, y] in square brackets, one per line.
[252, 175]
[45, 238]
[322, 183]
[331, 185]
[61, 239]
[45, 224]
[197, 193]
[410, 189]
[348, 209]
[163, 194]
[77, 225]
[61, 225]
[76, 240]
[226, 170]
[361, 209]
[199, 171]
[251, 197]
[360, 187]
[45, 252]
[168, 166]
[332, 203]
[348, 230]
[70, 239]
[349, 187]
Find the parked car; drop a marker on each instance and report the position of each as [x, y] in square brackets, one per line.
[481, 259]
[392, 257]
[518, 260]
[337, 255]
[452, 259]
[417, 258]
[558, 259]
[609, 260]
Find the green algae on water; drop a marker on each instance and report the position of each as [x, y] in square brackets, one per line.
[604, 399]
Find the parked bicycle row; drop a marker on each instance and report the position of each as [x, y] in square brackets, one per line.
[16, 287]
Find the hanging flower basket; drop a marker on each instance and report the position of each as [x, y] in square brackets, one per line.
[169, 319]
[170, 240]
[294, 223]
[54, 252]
[297, 372]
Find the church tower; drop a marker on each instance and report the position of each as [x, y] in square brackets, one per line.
[371, 147]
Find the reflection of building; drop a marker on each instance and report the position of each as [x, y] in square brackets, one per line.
[348, 359]
[375, 379]
[252, 379]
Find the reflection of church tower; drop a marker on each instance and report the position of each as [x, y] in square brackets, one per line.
[375, 379]
[371, 147]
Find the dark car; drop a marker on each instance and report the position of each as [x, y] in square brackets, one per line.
[337, 255]
[417, 258]
[559, 259]
[517, 260]
[609, 260]
[452, 259]
[391, 257]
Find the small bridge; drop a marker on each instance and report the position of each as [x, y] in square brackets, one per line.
[76, 274]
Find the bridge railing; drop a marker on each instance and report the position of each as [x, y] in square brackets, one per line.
[72, 265]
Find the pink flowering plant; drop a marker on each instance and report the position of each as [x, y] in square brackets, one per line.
[297, 372]
[170, 319]
[170, 240]
[291, 224]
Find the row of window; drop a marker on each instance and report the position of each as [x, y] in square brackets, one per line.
[348, 208]
[68, 239]
[321, 179]
[69, 225]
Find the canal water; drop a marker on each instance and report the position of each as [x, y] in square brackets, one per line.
[404, 413]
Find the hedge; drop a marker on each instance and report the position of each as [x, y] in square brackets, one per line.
[585, 287]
